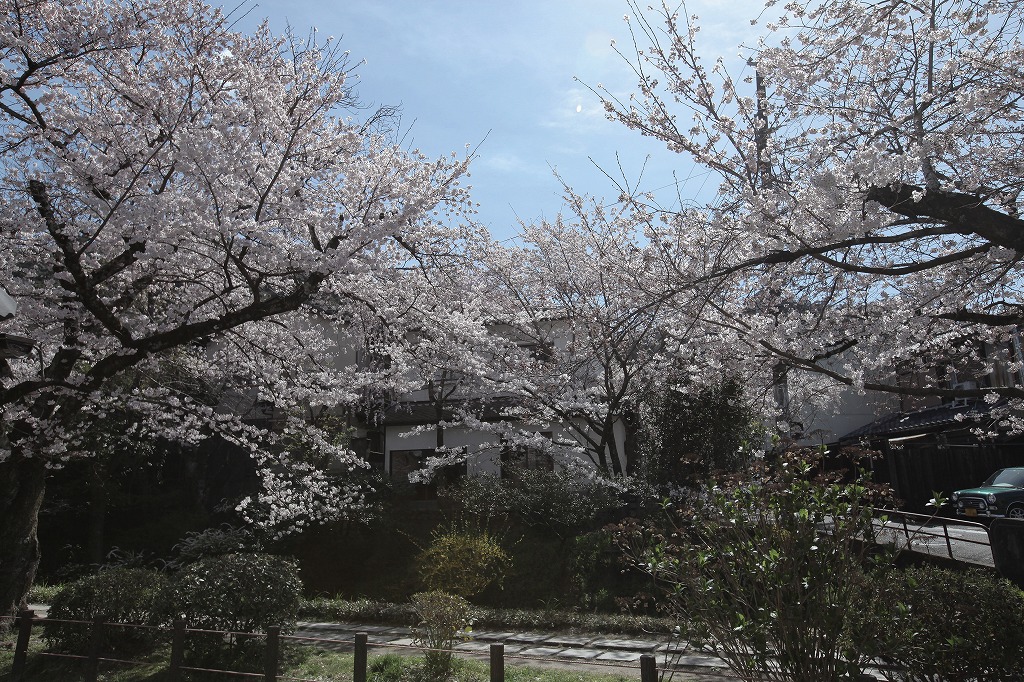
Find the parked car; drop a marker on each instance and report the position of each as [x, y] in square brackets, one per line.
[1002, 494]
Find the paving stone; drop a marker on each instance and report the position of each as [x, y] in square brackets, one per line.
[531, 645]
[622, 656]
[473, 646]
[511, 649]
[585, 654]
[672, 646]
[375, 628]
[568, 640]
[403, 641]
[489, 636]
[541, 651]
[698, 661]
[642, 645]
[331, 627]
[331, 636]
[527, 637]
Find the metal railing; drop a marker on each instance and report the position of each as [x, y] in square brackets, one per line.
[912, 527]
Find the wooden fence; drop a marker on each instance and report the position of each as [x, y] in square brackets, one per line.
[91, 661]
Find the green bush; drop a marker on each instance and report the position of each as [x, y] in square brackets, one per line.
[560, 502]
[444, 620]
[116, 595]
[211, 542]
[929, 623]
[462, 562]
[766, 571]
[43, 594]
[237, 593]
[386, 668]
[234, 593]
[595, 571]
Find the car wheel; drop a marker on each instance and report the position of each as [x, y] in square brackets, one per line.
[1015, 512]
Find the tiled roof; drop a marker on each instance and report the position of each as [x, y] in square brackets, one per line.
[920, 421]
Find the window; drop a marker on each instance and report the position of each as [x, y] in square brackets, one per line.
[515, 457]
[404, 462]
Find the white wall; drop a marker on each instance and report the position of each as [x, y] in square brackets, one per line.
[485, 454]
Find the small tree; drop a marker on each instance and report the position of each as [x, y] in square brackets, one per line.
[687, 432]
[765, 571]
[444, 620]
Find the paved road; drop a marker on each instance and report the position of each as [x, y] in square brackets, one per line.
[968, 543]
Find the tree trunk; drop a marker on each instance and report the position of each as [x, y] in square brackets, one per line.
[611, 447]
[97, 513]
[22, 485]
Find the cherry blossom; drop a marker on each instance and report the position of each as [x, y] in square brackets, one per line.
[865, 233]
[194, 221]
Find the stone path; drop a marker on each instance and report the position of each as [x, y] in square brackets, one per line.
[591, 653]
[595, 653]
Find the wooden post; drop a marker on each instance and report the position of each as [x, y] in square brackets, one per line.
[648, 668]
[21, 649]
[359, 672]
[177, 651]
[92, 662]
[272, 653]
[498, 663]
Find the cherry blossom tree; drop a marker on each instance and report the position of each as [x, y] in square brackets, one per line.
[576, 340]
[175, 193]
[866, 229]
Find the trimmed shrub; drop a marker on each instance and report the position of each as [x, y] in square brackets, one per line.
[930, 623]
[234, 593]
[463, 562]
[237, 593]
[357, 611]
[367, 611]
[115, 595]
[41, 593]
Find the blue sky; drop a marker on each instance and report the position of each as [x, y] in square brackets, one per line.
[501, 75]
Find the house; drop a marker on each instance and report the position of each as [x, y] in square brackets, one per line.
[933, 444]
[447, 412]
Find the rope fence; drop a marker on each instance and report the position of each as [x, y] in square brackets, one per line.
[26, 620]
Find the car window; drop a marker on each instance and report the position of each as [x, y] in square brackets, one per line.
[1007, 477]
